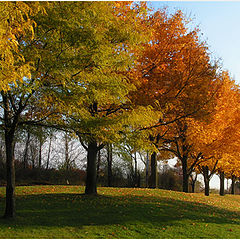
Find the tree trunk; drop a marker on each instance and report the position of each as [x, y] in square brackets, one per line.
[10, 125]
[67, 162]
[206, 179]
[49, 152]
[185, 174]
[91, 179]
[221, 183]
[10, 188]
[40, 155]
[131, 175]
[193, 186]
[233, 184]
[206, 182]
[147, 166]
[135, 170]
[193, 182]
[98, 163]
[25, 157]
[109, 161]
[138, 179]
[33, 163]
[152, 177]
[2, 157]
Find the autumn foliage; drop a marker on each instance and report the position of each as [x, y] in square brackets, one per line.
[117, 72]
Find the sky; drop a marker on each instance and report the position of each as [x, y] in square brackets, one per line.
[219, 21]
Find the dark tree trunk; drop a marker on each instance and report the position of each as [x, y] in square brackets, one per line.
[233, 184]
[2, 157]
[67, 162]
[152, 177]
[193, 182]
[135, 170]
[206, 179]
[40, 155]
[193, 187]
[98, 163]
[185, 174]
[10, 125]
[131, 175]
[10, 188]
[147, 166]
[91, 179]
[25, 157]
[49, 152]
[206, 182]
[109, 161]
[138, 179]
[221, 183]
[33, 163]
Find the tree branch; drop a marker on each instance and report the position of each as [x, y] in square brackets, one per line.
[81, 141]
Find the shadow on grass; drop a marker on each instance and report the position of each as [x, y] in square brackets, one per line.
[77, 210]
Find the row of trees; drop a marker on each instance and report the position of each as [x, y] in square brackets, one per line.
[39, 154]
[116, 73]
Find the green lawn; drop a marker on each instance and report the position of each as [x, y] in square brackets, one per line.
[64, 212]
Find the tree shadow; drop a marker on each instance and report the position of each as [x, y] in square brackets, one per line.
[78, 210]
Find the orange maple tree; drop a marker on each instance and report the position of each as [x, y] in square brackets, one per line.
[218, 138]
[176, 76]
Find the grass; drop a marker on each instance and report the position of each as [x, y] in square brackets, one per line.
[65, 212]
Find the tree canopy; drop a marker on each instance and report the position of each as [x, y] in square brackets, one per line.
[116, 72]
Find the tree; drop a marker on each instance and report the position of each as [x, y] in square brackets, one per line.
[217, 138]
[193, 178]
[153, 175]
[231, 168]
[208, 171]
[15, 23]
[92, 80]
[25, 157]
[49, 148]
[16, 27]
[109, 164]
[176, 79]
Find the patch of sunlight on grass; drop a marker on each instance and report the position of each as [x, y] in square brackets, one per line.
[65, 212]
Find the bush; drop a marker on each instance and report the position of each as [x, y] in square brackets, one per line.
[170, 180]
[40, 176]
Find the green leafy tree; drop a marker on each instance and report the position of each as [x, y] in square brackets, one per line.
[88, 50]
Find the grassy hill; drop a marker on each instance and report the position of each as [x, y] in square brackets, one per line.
[64, 212]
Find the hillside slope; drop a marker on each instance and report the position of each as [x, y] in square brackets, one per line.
[64, 212]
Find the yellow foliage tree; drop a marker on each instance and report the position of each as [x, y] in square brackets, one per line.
[16, 26]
